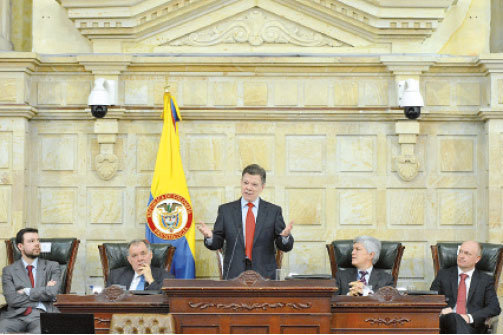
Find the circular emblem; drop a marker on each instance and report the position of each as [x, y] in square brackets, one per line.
[169, 216]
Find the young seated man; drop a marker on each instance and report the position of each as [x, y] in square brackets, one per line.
[363, 278]
[30, 286]
[139, 275]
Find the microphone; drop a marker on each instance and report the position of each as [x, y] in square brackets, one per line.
[248, 264]
[232, 257]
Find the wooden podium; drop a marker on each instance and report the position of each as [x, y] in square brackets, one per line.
[250, 304]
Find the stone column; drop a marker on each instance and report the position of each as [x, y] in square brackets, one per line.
[496, 39]
[5, 15]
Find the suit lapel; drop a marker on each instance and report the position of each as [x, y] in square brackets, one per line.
[260, 220]
[473, 285]
[22, 273]
[39, 280]
[454, 283]
[373, 278]
[128, 277]
[238, 220]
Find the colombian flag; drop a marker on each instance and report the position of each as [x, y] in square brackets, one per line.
[169, 215]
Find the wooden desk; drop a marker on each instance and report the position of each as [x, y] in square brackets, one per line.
[250, 304]
[387, 312]
[104, 306]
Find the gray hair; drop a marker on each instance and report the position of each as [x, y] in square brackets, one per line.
[255, 169]
[138, 241]
[371, 244]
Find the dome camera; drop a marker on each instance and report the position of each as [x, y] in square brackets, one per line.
[102, 95]
[410, 98]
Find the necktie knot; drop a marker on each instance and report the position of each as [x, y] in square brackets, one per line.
[362, 276]
[29, 268]
[463, 276]
[250, 205]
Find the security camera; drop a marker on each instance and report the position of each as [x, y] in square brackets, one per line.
[410, 98]
[102, 95]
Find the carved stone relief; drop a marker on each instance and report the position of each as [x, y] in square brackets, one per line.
[256, 27]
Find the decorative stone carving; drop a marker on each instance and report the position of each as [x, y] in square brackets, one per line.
[356, 23]
[106, 165]
[407, 164]
[106, 162]
[257, 27]
[407, 167]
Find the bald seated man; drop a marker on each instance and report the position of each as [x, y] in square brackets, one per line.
[470, 293]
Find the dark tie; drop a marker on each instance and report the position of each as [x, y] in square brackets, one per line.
[32, 280]
[250, 231]
[141, 283]
[362, 277]
[461, 301]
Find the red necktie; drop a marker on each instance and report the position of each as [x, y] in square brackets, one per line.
[32, 280]
[461, 301]
[250, 231]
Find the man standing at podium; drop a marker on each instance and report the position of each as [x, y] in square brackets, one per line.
[470, 294]
[250, 227]
[30, 286]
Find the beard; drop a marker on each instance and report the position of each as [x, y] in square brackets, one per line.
[32, 254]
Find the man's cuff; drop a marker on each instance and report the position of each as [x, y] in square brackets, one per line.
[208, 240]
[27, 291]
[470, 318]
[285, 239]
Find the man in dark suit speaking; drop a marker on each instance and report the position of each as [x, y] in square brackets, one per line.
[363, 279]
[140, 275]
[250, 227]
[470, 294]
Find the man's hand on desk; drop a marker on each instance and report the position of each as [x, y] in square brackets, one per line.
[355, 288]
[287, 230]
[207, 233]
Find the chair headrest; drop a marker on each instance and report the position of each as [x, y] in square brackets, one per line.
[447, 256]
[117, 254]
[61, 249]
[343, 249]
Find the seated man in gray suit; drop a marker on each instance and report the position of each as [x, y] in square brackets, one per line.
[363, 279]
[140, 275]
[30, 286]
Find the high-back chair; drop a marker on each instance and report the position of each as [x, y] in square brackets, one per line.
[339, 252]
[133, 323]
[114, 255]
[220, 260]
[63, 251]
[445, 255]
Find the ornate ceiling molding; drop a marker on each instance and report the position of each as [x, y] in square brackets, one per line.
[257, 27]
[355, 23]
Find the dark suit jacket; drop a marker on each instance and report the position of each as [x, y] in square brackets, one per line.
[125, 274]
[15, 277]
[229, 229]
[378, 278]
[482, 300]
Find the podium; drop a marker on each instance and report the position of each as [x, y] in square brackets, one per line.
[250, 304]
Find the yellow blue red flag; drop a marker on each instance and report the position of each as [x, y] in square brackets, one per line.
[169, 213]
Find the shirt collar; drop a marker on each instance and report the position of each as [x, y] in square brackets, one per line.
[35, 263]
[244, 203]
[369, 270]
[469, 273]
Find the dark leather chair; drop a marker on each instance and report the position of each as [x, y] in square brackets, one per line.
[339, 252]
[114, 255]
[220, 260]
[63, 251]
[445, 256]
